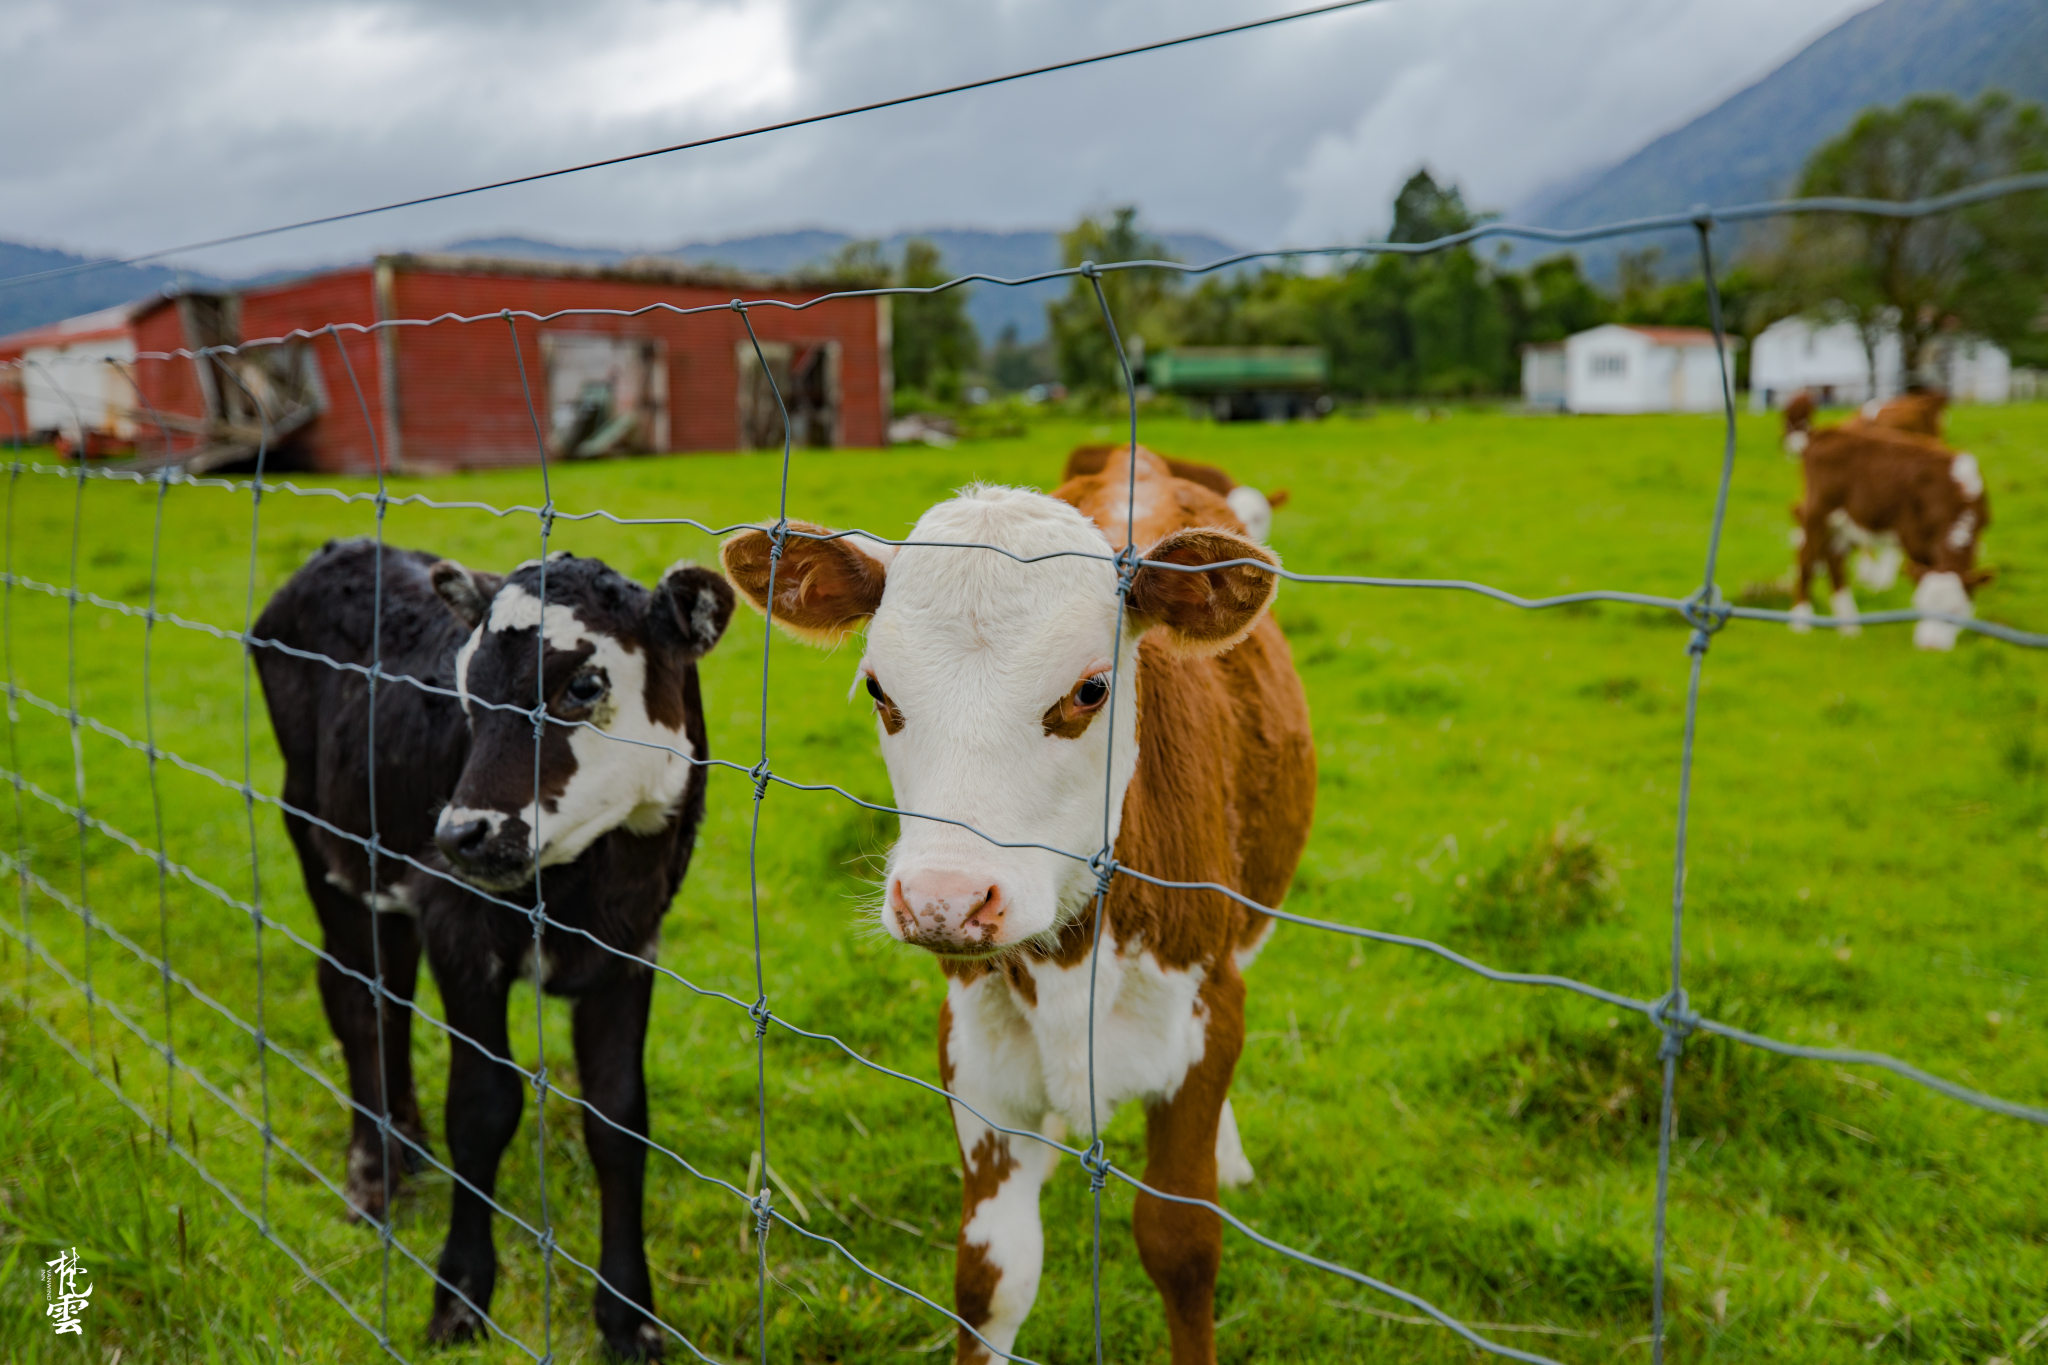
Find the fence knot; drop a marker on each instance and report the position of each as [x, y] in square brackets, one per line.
[761, 775]
[545, 1242]
[540, 1080]
[547, 520]
[761, 1205]
[1104, 865]
[1127, 563]
[1707, 612]
[1096, 1162]
[760, 1014]
[778, 539]
[1671, 1014]
[1090, 270]
[737, 306]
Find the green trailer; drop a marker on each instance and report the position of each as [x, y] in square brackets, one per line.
[1270, 383]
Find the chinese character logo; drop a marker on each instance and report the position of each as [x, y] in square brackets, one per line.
[67, 1298]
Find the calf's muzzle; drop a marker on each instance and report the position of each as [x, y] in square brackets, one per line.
[947, 912]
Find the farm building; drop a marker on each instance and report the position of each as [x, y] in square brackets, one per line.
[1618, 368]
[452, 395]
[1829, 360]
[1826, 358]
[69, 377]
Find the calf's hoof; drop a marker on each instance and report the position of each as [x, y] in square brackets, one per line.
[642, 1342]
[365, 1187]
[454, 1321]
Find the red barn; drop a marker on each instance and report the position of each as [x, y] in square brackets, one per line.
[440, 394]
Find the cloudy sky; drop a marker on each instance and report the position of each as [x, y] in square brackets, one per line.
[137, 125]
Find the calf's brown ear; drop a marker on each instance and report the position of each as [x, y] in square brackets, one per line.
[824, 589]
[458, 587]
[693, 603]
[1213, 602]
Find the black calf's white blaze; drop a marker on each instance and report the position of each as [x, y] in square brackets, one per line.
[608, 837]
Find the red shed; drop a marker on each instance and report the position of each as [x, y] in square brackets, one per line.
[441, 394]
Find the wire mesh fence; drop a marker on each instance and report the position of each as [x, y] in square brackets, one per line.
[65, 990]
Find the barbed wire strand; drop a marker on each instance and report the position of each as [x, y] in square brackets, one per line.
[1883, 208]
[374, 881]
[163, 913]
[248, 664]
[14, 708]
[870, 107]
[77, 736]
[760, 773]
[546, 1240]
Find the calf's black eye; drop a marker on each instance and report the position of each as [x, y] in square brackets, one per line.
[875, 690]
[586, 689]
[1092, 691]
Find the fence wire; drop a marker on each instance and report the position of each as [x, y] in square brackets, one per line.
[1671, 1015]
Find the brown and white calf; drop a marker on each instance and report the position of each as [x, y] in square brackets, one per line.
[1895, 495]
[1917, 411]
[1254, 509]
[991, 682]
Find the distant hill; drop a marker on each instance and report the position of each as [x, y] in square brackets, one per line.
[31, 305]
[1753, 144]
[966, 252]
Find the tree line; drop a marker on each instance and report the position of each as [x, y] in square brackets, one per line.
[1451, 323]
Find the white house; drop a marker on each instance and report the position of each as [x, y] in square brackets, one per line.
[1829, 359]
[1826, 358]
[78, 373]
[1971, 370]
[1619, 368]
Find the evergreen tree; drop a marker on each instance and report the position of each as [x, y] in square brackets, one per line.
[934, 344]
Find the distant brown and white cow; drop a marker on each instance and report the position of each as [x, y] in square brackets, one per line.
[1254, 509]
[1896, 495]
[992, 687]
[1917, 411]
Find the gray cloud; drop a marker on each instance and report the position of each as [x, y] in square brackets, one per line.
[139, 125]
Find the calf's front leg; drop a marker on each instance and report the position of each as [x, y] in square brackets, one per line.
[1181, 1245]
[611, 1037]
[1001, 1246]
[485, 1096]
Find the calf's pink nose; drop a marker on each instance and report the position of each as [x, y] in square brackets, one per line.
[946, 910]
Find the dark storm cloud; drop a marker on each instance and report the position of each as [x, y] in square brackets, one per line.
[138, 124]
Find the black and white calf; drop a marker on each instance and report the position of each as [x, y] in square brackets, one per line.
[456, 781]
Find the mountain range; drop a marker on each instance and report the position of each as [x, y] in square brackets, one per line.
[1751, 146]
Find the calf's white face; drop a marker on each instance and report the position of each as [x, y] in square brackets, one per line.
[603, 652]
[991, 685]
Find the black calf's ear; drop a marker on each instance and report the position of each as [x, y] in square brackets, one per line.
[695, 603]
[460, 590]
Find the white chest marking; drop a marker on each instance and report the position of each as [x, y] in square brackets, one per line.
[1151, 1026]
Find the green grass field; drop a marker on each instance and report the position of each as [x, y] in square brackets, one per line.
[1870, 852]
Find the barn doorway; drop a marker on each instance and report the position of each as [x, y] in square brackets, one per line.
[807, 376]
[607, 395]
